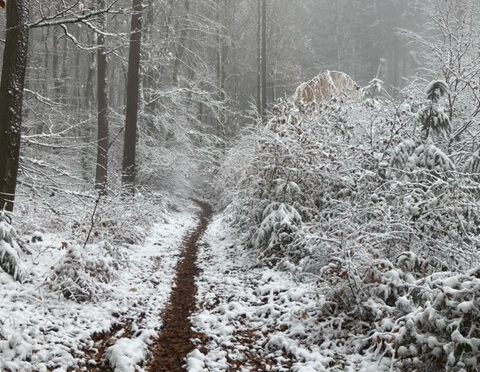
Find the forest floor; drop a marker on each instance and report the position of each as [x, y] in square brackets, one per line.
[197, 304]
[254, 318]
[42, 330]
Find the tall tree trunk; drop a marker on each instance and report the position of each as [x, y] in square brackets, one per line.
[396, 65]
[221, 60]
[89, 85]
[223, 50]
[47, 52]
[102, 107]
[130, 141]
[87, 130]
[77, 95]
[11, 98]
[180, 49]
[148, 72]
[219, 47]
[63, 85]
[264, 60]
[259, 57]
[55, 77]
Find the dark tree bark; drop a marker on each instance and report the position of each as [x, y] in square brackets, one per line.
[63, 85]
[130, 141]
[47, 52]
[264, 60]
[77, 94]
[259, 57]
[101, 172]
[147, 36]
[89, 85]
[11, 98]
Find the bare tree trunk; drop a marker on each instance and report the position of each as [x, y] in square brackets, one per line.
[55, 77]
[130, 141]
[77, 95]
[264, 60]
[45, 78]
[11, 98]
[223, 50]
[190, 72]
[259, 57]
[221, 64]
[89, 87]
[396, 64]
[147, 77]
[180, 50]
[102, 106]
[218, 47]
[219, 122]
[62, 83]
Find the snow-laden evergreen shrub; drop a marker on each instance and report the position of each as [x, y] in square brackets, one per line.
[401, 155]
[374, 88]
[430, 323]
[410, 160]
[421, 322]
[9, 249]
[432, 116]
[82, 273]
[428, 156]
[276, 231]
[472, 166]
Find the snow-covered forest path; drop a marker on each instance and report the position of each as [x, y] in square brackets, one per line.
[253, 318]
[174, 341]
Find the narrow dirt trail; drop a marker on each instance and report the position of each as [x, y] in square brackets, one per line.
[174, 341]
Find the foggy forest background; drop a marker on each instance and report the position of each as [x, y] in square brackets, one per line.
[199, 76]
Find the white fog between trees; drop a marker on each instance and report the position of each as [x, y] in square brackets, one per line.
[240, 185]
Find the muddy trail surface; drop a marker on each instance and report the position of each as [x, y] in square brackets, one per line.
[169, 350]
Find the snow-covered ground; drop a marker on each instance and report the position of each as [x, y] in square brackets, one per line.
[40, 330]
[259, 319]
[249, 318]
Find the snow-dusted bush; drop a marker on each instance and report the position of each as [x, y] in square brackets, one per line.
[9, 249]
[411, 161]
[83, 271]
[120, 221]
[433, 324]
[277, 230]
[15, 347]
[422, 323]
[432, 116]
[361, 173]
[374, 88]
[387, 222]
